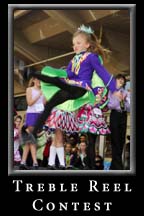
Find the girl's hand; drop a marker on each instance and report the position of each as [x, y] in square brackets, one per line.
[98, 99]
[125, 97]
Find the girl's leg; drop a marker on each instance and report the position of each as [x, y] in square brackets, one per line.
[91, 149]
[47, 79]
[60, 154]
[25, 153]
[52, 155]
[60, 147]
[33, 154]
[26, 150]
[60, 97]
[74, 91]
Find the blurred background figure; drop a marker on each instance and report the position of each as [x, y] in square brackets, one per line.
[118, 121]
[17, 123]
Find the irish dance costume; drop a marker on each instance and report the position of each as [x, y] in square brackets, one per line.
[66, 121]
[75, 88]
[91, 120]
[86, 120]
[85, 71]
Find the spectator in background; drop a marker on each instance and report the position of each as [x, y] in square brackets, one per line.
[118, 121]
[35, 101]
[82, 159]
[99, 163]
[70, 156]
[17, 123]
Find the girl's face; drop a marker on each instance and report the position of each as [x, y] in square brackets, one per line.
[36, 82]
[82, 139]
[80, 43]
[120, 82]
[68, 148]
[17, 122]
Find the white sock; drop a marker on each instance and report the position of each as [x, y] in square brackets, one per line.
[52, 155]
[60, 154]
[23, 162]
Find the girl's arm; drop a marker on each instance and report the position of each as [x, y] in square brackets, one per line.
[44, 100]
[29, 99]
[107, 78]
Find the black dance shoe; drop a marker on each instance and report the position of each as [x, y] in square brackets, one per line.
[61, 167]
[51, 167]
[24, 167]
[35, 167]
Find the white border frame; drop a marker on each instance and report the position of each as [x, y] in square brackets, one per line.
[132, 10]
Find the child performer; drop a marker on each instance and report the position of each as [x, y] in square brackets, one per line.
[76, 88]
